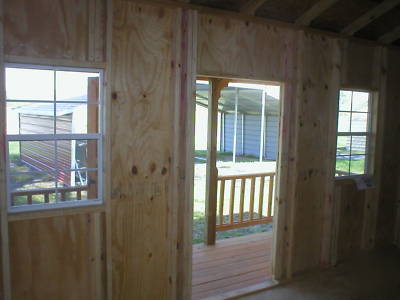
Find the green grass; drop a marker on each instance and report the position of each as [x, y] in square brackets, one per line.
[201, 156]
[199, 225]
[357, 165]
[13, 150]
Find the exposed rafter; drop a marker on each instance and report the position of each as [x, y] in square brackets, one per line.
[370, 16]
[391, 36]
[251, 6]
[316, 10]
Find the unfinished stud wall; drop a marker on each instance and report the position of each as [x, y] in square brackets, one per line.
[356, 214]
[57, 254]
[144, 228]
[142, 120]
[235, 48]
[308, 210]
[60, 29]
[391, 147]
[152, 126]
[317, 92]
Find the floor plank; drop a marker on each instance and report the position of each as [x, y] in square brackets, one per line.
[231, 264]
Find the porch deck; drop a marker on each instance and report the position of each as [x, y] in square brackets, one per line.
[232, 265]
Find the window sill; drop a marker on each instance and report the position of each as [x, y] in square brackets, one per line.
[56, 209]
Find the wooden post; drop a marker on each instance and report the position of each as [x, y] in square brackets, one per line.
[234, 146]
[397, 221]
[216, 85]
[92, 127]
[262, 125]
[5, 277]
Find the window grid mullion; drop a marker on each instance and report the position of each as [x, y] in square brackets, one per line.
[55, 131]
[351, 136]
[56, 138]
[55, 171]
[50, 137]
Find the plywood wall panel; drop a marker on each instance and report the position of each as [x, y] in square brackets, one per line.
[391, 165]
[55, 258]
[143, 97]
[351, 221]
[241, 49]
[318, 81]
[56, 29]
[360, 63]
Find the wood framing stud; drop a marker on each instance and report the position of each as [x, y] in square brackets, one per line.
[370, 16]
[251, 6]
[316, 10]
[391, 36]
[216, 86]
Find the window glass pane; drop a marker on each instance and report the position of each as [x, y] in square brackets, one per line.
[345, 101]
[35, 197]
[76, 154]
[359, 122]
[30, 118]
[73, 194]
[77, 86]
[344, 122]
[343, 145]
[40, 171]
[357, 164]
[342, 165]
[358, 145]
[31, 181]
[83, 181]
[77, 118]
[360, 101]
[29, 84]
[30, 156]
[64, 155]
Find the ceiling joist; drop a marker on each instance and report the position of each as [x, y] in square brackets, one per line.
[251, 6]
[316, 10]
[370, 16]
[391, 36]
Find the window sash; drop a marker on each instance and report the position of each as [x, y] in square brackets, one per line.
[367, 134]
[56, 137]
[53, 137]
[32, 207]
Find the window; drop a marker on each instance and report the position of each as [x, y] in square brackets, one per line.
[54, 137]
[354, 133]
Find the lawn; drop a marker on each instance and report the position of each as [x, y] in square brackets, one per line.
[201, 157]
[199, 225]
[357, 165]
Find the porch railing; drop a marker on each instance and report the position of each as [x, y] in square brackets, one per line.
[29, 195]
[259, 211]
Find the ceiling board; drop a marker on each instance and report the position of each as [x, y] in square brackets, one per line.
[233, 5]
[382, 25]
[285, 10]
[343, 13]
[334, 19]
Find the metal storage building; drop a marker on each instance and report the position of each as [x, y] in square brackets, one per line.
[252, 128]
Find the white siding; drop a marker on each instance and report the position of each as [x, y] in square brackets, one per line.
[252, 132]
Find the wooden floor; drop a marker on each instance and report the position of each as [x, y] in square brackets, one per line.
[231, 265]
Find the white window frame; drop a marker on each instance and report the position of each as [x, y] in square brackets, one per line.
[368, 134]
[53, 137]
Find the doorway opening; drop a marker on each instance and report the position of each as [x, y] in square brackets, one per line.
[236, 152]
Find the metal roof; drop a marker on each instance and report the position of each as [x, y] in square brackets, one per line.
[249, 100]
[47, 109]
